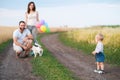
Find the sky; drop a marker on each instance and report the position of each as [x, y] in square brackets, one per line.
[71, 13]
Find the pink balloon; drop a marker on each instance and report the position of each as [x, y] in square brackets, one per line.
[38, 25]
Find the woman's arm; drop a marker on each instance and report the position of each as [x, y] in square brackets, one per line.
[26, 17]
[37, 18]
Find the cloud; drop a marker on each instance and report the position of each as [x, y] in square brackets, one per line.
[11, 17]
[11, 13]
[71, 15]
[82, 15]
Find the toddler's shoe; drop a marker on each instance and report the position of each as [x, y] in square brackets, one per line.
[101, 72]
[96, 71]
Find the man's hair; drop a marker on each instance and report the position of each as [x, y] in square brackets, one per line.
[21, 22]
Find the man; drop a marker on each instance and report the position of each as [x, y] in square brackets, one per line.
[22, 39]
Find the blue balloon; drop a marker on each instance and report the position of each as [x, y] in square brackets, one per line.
[47, 28]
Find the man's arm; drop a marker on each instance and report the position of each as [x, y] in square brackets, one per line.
[18, 44]
[29, 35]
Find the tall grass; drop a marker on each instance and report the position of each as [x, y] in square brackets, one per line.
[6, 33]
[84, 39]
[4, 45]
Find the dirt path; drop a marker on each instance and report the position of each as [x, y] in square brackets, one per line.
[81, 65]
[15, 69]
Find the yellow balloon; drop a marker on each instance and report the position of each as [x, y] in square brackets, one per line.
[43, 28]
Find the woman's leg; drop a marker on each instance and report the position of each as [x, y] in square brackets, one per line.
[34, 33]
[30, 28]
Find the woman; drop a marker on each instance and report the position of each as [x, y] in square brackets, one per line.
[31, 18]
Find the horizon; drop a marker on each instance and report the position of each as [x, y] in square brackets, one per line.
[72, 13]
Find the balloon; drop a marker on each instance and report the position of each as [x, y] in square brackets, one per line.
[43, 28]
[47, 28]
[42, 22]
[37, 25]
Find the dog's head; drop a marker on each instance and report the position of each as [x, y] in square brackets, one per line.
[37, 45]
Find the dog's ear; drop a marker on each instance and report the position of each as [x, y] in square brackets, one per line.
[36, 45]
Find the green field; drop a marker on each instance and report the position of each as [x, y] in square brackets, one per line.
[84, 39]
[49, 68]
[4, 45]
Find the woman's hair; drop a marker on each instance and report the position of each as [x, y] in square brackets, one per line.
[28, 9]
[100, 36]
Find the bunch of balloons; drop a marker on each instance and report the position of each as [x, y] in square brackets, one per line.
[42, 26]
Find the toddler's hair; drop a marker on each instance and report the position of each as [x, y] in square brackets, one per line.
[100, 36]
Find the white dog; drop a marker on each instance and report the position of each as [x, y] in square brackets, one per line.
[37, 50]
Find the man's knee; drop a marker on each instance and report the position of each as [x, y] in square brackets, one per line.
[17, 49]
[29, 44]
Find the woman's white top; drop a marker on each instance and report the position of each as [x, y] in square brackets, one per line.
[32, 18]
[99, 47]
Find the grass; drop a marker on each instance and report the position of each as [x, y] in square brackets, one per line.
[49, 68]
[83, 39]
[5, 36]
[4, 45]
